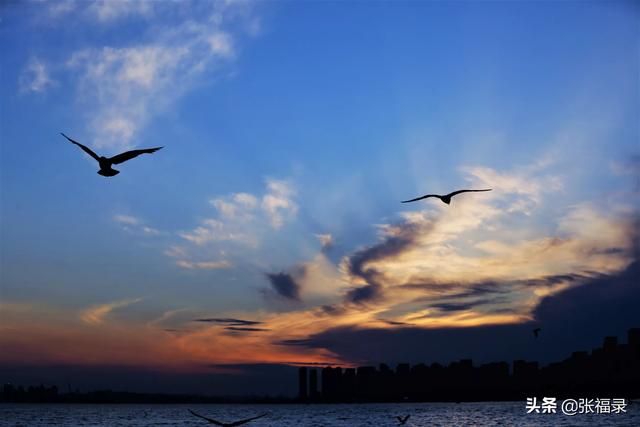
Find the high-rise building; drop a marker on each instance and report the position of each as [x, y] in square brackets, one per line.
[610, 344]
[302, 383]
[313, 383]
[633, 337]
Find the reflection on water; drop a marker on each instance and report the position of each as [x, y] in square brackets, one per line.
[347, 415]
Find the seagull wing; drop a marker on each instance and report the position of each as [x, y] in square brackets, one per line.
[84, 148]
[128, 155]
[212, 421]
[420, 198]
[466, 191]
[237, 423]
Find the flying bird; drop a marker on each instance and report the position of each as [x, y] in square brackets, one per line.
[446, 198]
[106, 162]
[403, 420]
[233, 424]
[536, 331]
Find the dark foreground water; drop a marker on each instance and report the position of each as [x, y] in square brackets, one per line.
[347, 415]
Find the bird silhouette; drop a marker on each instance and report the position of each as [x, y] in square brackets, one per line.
[536, 331]
[403, 420]
[232, 424]
[446, 198]
[106, 162]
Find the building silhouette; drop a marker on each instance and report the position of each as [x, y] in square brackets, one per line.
[612, 370]
[313, 384]
[302, 384]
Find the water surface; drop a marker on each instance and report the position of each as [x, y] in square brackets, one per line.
[317, 415]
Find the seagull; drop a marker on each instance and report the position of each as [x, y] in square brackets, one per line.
[536, 331]
[233, 424]
[107, 162]
[402, 421]
[446, 198]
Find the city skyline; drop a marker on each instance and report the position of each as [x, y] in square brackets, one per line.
[612, 368]
[269, 231]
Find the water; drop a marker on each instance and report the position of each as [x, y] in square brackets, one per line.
[341, 415]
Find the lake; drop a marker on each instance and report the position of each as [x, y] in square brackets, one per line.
[313, 415]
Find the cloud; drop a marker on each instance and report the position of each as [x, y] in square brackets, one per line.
[61, 7]
[222, 44]
[516, 183]
[359, 266]
[243, 218]
[95, 315]
[106, 10]
[204, 265]
[470, 263]
[371, 292]
[433, 274]
[214, 230]
[35, 78]
[130, 223]
[165, 317]
[285, 285]
[102, 11]
[278, 202]
[244, 329]
[576, 318]
[150, 231]
[228, 321]
[238, 204]
[326, 240]
[126, 219]
[123, 88]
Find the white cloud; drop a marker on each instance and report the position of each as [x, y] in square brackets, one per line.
[213, 230]
[238, 205]
[176, 252]
[245, 199]
[102, 11]
[525, 190]
[96, 315]
[110, 10]
[123, 88]
[278, 202]
[35, 78]
[203, 265]
[131, 223]
[221, 44]
[60, 7]
[150, 231]
[126, 219]
[242, 221]
[242, 216]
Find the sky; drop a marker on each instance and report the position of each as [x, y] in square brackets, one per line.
[268, 232]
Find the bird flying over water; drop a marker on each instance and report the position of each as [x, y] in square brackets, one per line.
[536, 331]
[403, 420]
[446, 198]
[232, 424]
[106, 162]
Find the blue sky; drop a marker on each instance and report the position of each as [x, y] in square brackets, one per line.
[282, 121]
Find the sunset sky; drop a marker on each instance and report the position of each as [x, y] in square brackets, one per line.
[269, 231]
